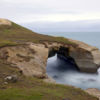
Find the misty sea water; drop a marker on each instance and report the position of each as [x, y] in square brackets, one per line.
[70, 77]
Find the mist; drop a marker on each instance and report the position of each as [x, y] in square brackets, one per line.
[64, 73]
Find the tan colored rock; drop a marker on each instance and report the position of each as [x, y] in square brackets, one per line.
[94, 92]
[30, 58]
[86, 57]
[5, 22]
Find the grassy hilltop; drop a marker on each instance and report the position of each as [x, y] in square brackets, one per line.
[29, 88]
[16, 34]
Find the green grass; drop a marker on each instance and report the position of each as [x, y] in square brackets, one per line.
[19, 94]
[39, 90]
[29, 88]
[17, 34]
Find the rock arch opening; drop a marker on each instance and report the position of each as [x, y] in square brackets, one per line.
[64, 62]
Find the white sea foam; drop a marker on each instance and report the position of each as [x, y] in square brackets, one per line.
[72, 77]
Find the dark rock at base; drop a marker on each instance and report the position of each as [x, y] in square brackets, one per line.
[12, 78]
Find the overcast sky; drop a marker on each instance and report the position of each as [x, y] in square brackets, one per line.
[53, 13]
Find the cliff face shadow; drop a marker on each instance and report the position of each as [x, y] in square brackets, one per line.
[66, 64]
[61, 57]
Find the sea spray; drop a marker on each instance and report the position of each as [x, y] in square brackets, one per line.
[65, 73]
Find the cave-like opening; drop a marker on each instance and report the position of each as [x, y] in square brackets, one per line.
[59, 62]
[64, 62]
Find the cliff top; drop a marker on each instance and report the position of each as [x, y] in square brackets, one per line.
[12, 34]
[5, 22]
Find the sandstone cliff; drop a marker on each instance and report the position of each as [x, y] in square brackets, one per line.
[29, 58]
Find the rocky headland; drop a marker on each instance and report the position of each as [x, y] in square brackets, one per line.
[28, 51]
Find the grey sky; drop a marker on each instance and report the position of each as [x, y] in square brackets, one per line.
[66, 26]
[51, 11]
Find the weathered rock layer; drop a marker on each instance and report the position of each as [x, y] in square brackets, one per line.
[86, 57]
[29, 58]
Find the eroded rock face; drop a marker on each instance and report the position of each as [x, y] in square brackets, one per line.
[30, 58]
[86, 57]
[5, 22]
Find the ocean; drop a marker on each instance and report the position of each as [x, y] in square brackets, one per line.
[73, 77]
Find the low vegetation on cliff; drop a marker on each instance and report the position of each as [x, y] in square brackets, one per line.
[15, 86]
[16, 34]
